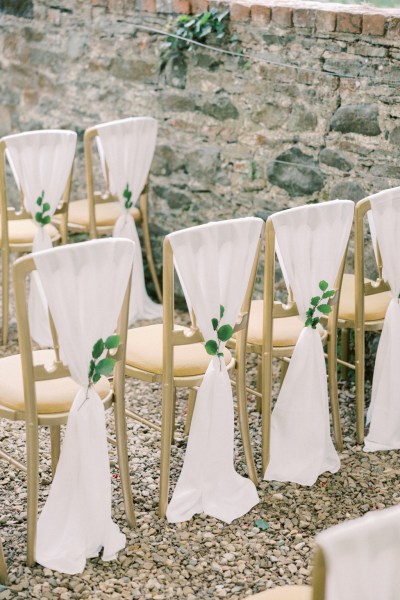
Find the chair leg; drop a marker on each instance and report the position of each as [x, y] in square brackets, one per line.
[32, 463]
[360, 390]
[165, 455]
[55, 437]
[333, 389]
[190, 409]
[242, 406]
[6, 292]
[173, 418]
[3, 568]
[149, 252]
[259, 387]
[345, 351]
[122, 451]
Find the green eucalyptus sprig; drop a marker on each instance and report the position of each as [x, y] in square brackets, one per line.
[44, 207]
[318, 304]
[102, 363]
[224, 333]
[127, 194]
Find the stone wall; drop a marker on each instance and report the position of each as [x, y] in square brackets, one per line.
[313, 114]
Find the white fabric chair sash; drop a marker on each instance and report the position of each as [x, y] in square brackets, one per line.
[312, 241]
[214, 263]
[383, 413]
[126, 149]
[362, 557]
[41, 162]
[85, 286]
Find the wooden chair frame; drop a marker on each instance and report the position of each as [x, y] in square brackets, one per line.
[22, 268]
[98, 198]
[273, 310]
[10, 214]
[3, 568]
[176, 337]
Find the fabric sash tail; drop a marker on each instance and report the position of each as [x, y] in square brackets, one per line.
[384, 410]
[37, 304]
[76, 520]
[141, 306]
[301, 445]
[208, 481]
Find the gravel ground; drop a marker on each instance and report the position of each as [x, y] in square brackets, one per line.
[203, 558]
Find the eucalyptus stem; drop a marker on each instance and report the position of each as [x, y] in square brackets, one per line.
[318, 304]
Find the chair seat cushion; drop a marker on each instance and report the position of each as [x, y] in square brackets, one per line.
[22, 231]
[375, 306]
[144, 351]
[285, 592]
[52, 396]
[106, 213]
[286, 330]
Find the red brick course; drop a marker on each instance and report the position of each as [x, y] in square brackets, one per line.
[240, 12]
[282, 15]
[348, 22]
[260, 13]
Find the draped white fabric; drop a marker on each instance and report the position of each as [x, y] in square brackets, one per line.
[214, 262]
[127, 148]
[362, 557]
[384, 410]
[41, 162]
[84, 285]
[312, 240]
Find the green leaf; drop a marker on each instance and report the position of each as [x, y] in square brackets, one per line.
[96, 377]
[39, 199]
[214, 323]
[221, 311]
[308, 322]
[46, 207]
[225, 333]
[222, 16]
[220, 354]
[46, 220]
[183, 18]
[98, 348]
[325, 309]
[211, 347]
[315, 322]
[310, 312]
[38, 217]
[105, 366]
[91, 368]
[328, 294]
[112, 342]
[315, 300]
[323, 285]
[261, 524]
[205, 31]
[205, 18]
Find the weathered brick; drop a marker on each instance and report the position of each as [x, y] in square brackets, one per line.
[325, 20]
[373, 25]
[282, 15]
[199, 6]
[260, 13]
[348, 22]
[240, 12]
[393, 29]
[149, 6]
[303, 17]
[181, 7]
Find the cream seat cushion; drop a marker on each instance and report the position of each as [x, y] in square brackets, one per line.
[375, 306]
[23, 231]
[52, 396]
[106, 213]
[286, 330]
[144, 351]
[286, 592]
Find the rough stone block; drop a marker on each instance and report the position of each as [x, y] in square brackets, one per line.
[199, 6]
[302, 17]
[282, 15]
[54, 16]
[240, 12]
[393, 28]
[260, 14]
[181, 7]
[357, 118]
[325, 21]
[373, 25]
[349, 23]
[149, 6]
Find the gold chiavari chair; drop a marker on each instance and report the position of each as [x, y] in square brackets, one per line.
[3, 568]
[36, 388]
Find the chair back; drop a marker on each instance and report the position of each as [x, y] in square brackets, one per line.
[41, 163]
[359, 559]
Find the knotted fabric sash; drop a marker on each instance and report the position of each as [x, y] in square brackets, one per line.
[41, 162]
[85, 286]
[384, 410]
[126, 148]
[312, 241]
[214, 263]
